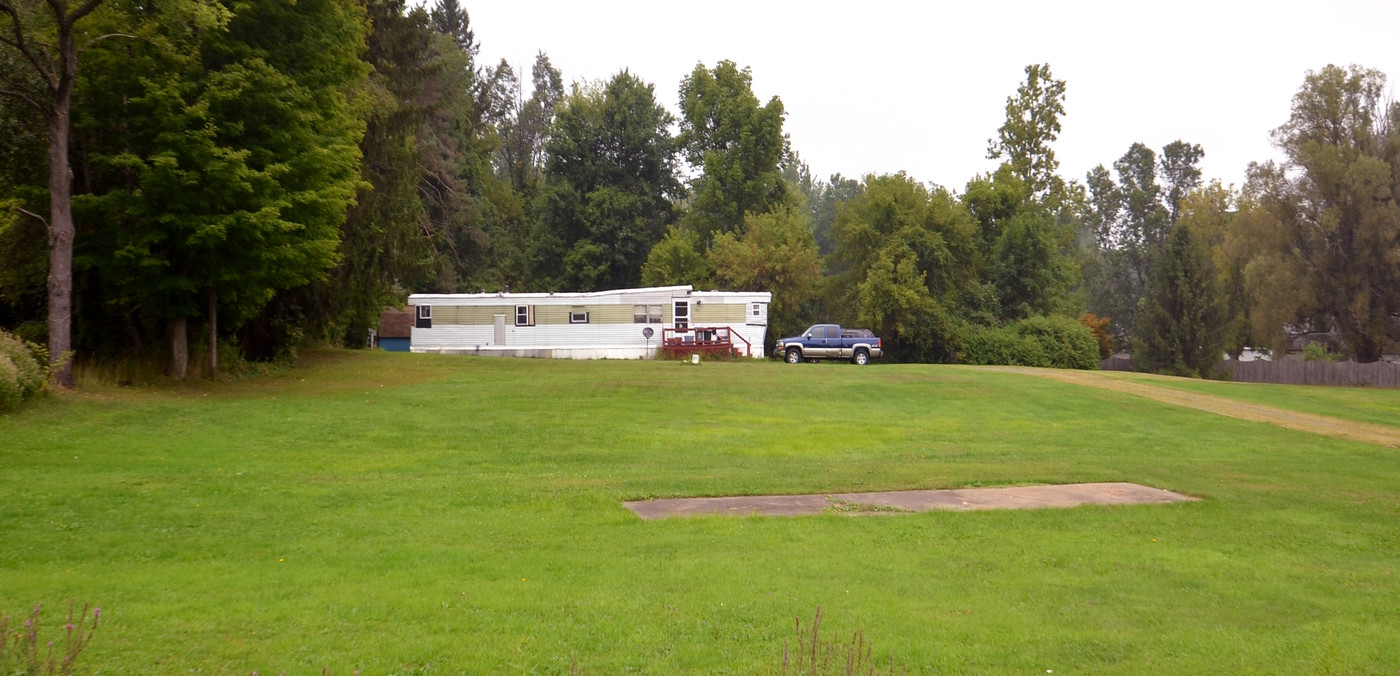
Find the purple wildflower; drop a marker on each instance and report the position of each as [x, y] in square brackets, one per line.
[96, 612]
[70, 626]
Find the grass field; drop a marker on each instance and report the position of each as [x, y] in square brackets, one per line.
[421, 514]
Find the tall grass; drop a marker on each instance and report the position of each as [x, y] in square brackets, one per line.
[26, 648]
[819, 656]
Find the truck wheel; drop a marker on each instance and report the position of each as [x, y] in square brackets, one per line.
[794, 356]
[860, 358]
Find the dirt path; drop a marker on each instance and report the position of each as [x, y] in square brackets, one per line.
[894, 502]
[1295, 420]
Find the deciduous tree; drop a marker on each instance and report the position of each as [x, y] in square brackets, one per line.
[1180, 172]
[42, 42]
[775, 252]
[1326, 236]
[677, 259]
[1032, 124]
[737, 144]
[909, 255]
[610, 180]
[522, 153]
[1129, 221]
[232, 173]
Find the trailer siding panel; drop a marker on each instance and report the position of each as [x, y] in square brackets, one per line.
[469, 315]
[717, 313]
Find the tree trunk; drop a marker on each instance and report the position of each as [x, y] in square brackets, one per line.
[179, 348]
[60, 241]
[54, 101]
[213, 333]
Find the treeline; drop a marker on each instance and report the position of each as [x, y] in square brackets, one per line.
[259, 174]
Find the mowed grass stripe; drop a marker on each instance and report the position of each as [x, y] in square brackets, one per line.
[1292, 419]
[466, 518]
[1380, 406]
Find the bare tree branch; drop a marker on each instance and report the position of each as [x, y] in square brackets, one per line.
[112, 35]
[27, 212]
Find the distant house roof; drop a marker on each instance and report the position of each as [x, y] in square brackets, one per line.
[396, 324]
[1327, 340]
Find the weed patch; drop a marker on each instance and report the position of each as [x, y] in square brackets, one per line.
[27, 649]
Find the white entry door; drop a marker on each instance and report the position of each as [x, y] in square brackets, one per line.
[499, 334]
[681, 318]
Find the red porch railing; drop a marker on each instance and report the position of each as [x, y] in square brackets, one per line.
[704, 340]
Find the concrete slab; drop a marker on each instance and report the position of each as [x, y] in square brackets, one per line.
[1011, 497]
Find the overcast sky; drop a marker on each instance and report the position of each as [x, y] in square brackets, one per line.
[920, 86]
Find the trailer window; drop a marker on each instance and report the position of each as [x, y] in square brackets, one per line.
[524, 315]
[646, 314]
[578, 316]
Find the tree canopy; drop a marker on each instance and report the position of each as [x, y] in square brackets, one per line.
[737, 144]
[277, 173]
[1325, 224]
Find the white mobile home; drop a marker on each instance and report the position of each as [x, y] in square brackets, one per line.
[618, 324]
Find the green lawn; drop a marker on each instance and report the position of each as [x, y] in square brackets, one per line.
[424, 514]
[1364, 404]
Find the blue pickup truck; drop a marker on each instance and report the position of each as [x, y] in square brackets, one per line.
[829, 341]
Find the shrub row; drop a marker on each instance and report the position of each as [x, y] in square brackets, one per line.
[1054, 342]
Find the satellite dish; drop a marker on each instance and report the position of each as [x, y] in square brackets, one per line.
[648, 333]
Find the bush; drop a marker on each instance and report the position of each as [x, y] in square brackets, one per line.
[1000, 345]
[1099, 327]
[1054, 342]
[1067, 343]
[10, 396]
[23, 370]
[1317, 352]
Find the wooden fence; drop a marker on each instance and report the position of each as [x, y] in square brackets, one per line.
[1289, 372]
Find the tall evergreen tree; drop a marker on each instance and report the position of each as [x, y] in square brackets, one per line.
[476, 222]
[383, 247]
[1182, 328]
